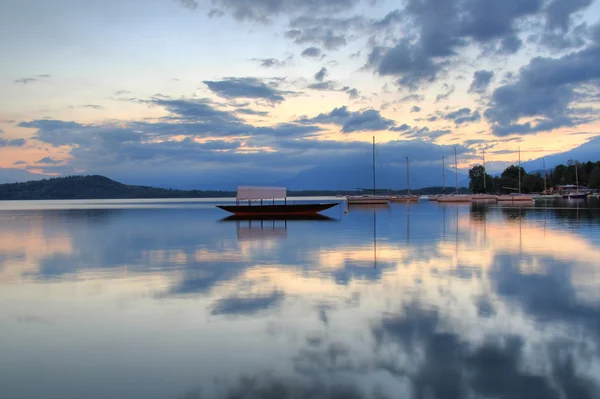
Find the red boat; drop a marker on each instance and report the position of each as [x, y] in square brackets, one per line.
[252, 195]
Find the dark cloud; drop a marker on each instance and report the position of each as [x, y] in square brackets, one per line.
[353, 93]
[510, 44]
[545, 90]
[481, 81]
[49, 161]
[317, 35]
[436, 30]
[20, 163]
[246, 88]
[559, 12]
[263, 10]
[329, 32]
[311, 52]
[369, 120]
[321, 74]
[327, 85]
[246, 305]
[415, 108]
[273, 62]
[121, 92]
[94, 106]
[12, 143]
[445, 95]
[248, 111]
[413, 97]
[462, 116]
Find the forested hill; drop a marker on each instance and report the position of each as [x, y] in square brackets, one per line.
[93, 187]
[100, 187]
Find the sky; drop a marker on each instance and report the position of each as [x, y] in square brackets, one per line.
[158, 91]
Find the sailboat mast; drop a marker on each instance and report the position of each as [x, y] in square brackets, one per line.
[456, 169]
[519, 170]
[443, 175]
[576, 176]
[484, 176]
[407, 176]
[545, 177]
[374, 189]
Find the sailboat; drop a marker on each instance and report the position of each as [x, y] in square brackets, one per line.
[545, 196]
[369, 199]
[484, 196]
[577, 194]
[436, 196]
[455, 197]
[516, 196]
[407, 197]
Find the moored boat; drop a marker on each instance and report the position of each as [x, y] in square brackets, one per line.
[515, 197]
[404, 198]
[483, 197]
[251, 193]
[367, 199]
[454, 198]
[575, 195]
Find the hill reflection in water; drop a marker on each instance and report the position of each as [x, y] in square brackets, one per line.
[414, 300]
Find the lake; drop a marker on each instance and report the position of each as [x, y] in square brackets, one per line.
[162, 299]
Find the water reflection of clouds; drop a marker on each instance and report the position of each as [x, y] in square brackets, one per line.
[473, 304]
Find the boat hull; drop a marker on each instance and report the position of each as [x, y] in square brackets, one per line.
[276, 210]
[575, 196]
[405, 198]
[454, 198]
[483, 197]
[513, 198]
[367, 199]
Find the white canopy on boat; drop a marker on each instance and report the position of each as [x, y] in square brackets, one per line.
[254, 192]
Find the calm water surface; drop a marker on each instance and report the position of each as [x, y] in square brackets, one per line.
[163, 299]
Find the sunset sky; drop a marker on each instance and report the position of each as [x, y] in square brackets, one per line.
[144, 89]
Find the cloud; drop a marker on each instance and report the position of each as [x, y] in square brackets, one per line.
[311, 52]
[26, 80]
[353, 93]
[510, 44]
[12, 143]
[435, 31]
[49, 161]
[94, 106]
[413, 97]
[321, 74]
[20, 163]
[121, 92]
[445, 95]
[462, 116]
[545, 89]
[191, 4]
[321, 36]
[329, 32]
[273, 62]
[248, 111]
[328, 85]
[369, 120]
[246, 88]
[481, 81]
[247, 305]
[264, 10]
[415, 108]
[32, 80]
[559, 12]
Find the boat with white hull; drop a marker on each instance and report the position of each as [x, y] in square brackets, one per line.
[369, 199]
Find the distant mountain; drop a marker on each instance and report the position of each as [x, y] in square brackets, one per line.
[13, 175]
[91, 187]
[351, 177]
[589, 151]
